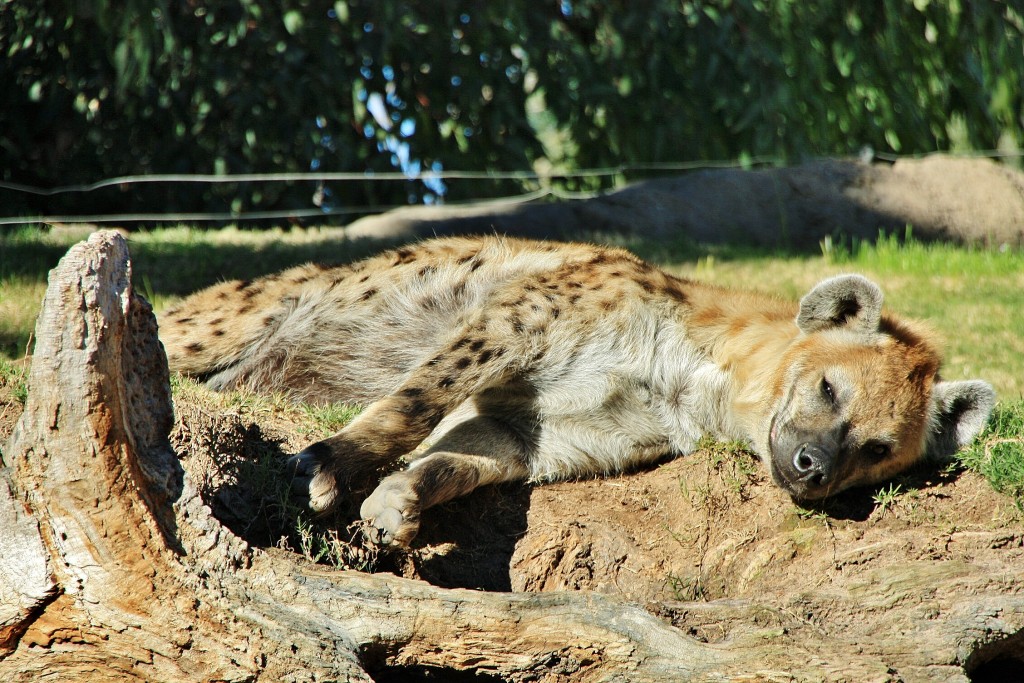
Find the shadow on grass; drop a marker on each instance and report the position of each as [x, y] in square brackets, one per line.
[179, 268]
[27, 259]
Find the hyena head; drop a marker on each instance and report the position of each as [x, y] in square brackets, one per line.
[858, 396]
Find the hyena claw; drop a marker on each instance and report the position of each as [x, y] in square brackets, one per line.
[392, 512]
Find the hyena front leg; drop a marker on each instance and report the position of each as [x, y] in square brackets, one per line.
[479, 451]
[391, 427]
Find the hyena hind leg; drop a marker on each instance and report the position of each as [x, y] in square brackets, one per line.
[475, 453]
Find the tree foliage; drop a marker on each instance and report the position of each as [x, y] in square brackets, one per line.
[97, 88]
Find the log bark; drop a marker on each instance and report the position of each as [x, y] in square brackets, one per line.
[113, 568]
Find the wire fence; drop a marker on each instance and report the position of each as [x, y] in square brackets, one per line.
[547, 181]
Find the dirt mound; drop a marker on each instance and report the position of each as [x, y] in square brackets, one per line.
[707, 542]
[942, 197]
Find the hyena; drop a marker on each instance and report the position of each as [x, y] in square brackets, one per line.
[522, 360]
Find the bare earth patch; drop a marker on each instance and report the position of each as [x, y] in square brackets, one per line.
[728, 558]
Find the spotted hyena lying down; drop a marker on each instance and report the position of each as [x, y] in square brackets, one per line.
[535, 360]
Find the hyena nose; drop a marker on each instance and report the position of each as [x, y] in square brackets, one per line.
[813, 464]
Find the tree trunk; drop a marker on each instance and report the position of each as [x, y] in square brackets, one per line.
[112, 566]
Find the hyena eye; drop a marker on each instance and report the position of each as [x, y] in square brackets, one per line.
[878, 450]
[827, 391]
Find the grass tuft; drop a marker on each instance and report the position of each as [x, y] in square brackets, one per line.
[892, 254]
[998, 453]
[330, 418]
[886, 497]
[14, 377]
[326, 546]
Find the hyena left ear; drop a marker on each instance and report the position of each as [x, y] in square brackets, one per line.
[850, 301]
[960, 411]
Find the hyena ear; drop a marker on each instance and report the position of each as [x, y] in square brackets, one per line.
[850, 301]
[960, 411]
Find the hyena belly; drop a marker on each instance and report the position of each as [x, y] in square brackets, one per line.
[635, 391]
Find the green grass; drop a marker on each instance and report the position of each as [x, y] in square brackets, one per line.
[885, 497]
[330, 418]
[13, 377]
[972, 297]
[315, 421]
[998, 454]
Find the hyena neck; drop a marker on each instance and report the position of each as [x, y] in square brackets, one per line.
[746, 336]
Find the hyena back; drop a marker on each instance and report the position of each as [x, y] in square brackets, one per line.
[537, 360]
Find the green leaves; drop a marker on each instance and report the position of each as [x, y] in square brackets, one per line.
[107, 88]
[293, 22]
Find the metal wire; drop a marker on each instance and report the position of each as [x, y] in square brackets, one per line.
[271, 215]
[544, 179]
[371, 176]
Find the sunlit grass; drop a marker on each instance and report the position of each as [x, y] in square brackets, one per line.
[330, 418]
[998, 454]
[13, 378]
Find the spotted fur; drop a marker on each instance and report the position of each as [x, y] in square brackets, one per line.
[533, 360]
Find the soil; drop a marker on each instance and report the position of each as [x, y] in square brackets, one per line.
[707, 542]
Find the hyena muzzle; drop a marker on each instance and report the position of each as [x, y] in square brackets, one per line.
[514, 359]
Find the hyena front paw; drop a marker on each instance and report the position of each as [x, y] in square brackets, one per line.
[392, 511]
[312, 480]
